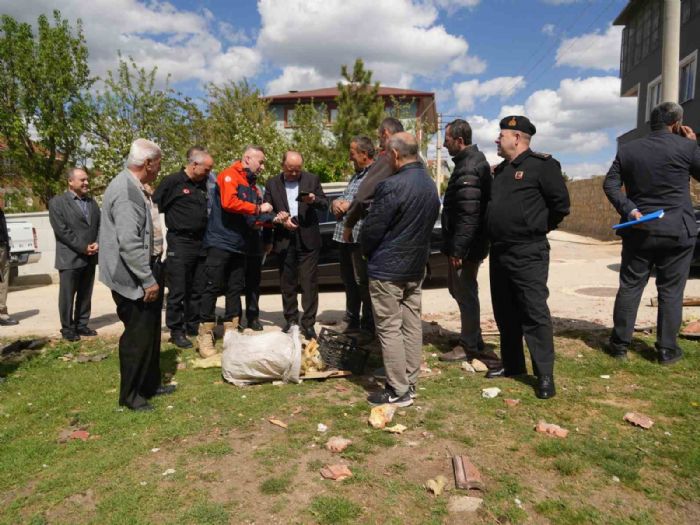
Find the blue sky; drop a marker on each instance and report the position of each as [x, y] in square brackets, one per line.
[554, 60]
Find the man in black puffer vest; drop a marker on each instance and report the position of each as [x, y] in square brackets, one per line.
[464, 240]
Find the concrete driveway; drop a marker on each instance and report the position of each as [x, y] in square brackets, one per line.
[582, 281]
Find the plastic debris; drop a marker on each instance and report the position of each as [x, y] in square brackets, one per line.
[490, 393]
[437, 485]
[511, 402]
[321, 428]
[396, 429]
[169, 472]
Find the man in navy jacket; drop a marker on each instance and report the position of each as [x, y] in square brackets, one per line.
[655, 171]
[396, 240]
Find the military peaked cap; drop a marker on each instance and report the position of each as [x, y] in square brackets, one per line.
[518, 123]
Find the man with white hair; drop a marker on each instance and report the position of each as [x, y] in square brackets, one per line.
[129, 260]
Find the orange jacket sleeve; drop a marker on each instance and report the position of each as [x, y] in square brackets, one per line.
[228, 181]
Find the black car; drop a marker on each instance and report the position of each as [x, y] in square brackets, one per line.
[329, 265]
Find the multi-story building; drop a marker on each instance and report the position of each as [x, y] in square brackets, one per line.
[418, 106]
[640, 60]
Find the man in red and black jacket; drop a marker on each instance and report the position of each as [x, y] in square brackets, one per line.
[234, 210]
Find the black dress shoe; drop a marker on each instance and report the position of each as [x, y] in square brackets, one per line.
[165, 390]
[86, 331]
[496, 373]
[8, 321]
[70, 336]
[289, 325]
[615, 350]
[309, 333]
[180, 341]
[255, 325]
[669, 356]
[545, 387]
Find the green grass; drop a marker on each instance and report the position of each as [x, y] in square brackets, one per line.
[233, 466]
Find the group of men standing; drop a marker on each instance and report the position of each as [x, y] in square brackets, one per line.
[219, 231]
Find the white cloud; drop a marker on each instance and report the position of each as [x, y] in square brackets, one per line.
[299, 78]
[180, 43]
[397, 39]
[452, 6]
[548, 29]
[467, 93]
[577, 118]
[595, 50]
[585, 170]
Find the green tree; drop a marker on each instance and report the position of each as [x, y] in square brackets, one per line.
[360, 108]
[312, 138]
[44, 107]
[131, 106]
[238, 116]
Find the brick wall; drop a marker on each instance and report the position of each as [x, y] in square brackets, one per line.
[591, 213]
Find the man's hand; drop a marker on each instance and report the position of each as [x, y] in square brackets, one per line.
[340, 207]
[309, 199]
[268, 248]
[635, 214]
[687, 132]
[150, 294]
[289, 225]
[455, 262]
[266, 207]
[92, 249]
[347, 234]
[281, 217]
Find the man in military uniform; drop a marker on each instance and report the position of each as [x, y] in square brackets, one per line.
[182, 197]
[655, 171]
[528, 200]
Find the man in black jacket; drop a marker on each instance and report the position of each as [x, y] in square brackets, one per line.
[528, 199]
[396, 240]
[464, 238]
[655, 172]
[295, 195]
[5, 319]
[75, 219]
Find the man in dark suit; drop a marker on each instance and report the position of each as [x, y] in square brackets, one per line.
[75, 219]
[295, 196]
[5, 319]
[655, 172]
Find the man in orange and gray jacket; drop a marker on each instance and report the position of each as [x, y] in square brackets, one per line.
[234, 210]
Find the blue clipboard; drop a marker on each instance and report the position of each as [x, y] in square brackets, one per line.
[644, 218]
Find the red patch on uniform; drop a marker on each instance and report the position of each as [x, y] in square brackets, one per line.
[186, 191]
[519, 175]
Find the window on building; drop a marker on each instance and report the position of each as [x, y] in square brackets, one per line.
[653, 95]
[655, 24]
[332, 115]
[685, 11]
[289, 117]
[686, 77]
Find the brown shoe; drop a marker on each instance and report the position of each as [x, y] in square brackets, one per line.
[456, 354]
[230, 325]
[205, 340]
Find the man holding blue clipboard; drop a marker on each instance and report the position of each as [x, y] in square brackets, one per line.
[654, 171]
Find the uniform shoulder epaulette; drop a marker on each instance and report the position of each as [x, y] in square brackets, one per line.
[540, 155]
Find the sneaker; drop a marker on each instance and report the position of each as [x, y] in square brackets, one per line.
[389, 397]
[379, 374]
[412, 391]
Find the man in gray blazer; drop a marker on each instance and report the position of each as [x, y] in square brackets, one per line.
[75, 219]
[130, 266]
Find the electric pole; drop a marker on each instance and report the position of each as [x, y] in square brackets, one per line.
[438, 154]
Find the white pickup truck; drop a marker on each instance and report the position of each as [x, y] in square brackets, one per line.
[24, 248]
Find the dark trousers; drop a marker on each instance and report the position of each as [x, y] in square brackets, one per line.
[185, 270]
[75, 297]
[519, 294]
[139, 346]
[253, 271]
[299, 269]
[225, 275]
[671, 258]
[464, 288]
[353, 272]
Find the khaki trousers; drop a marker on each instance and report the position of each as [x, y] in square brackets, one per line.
[5, 279]
[397, 317]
